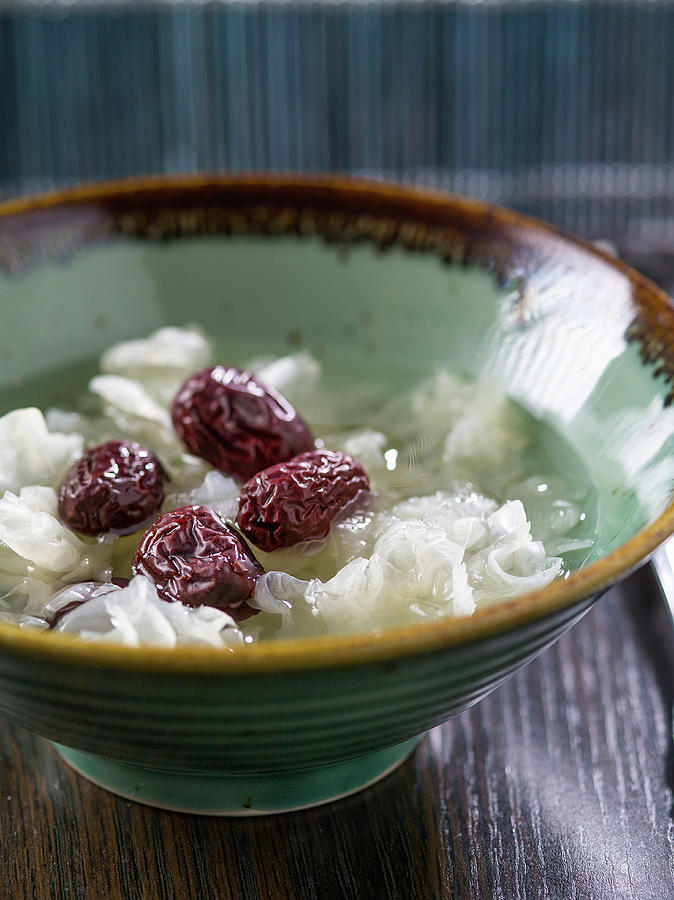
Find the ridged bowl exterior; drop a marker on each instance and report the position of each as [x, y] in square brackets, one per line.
[267, 721]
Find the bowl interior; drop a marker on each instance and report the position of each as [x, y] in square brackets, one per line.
[547, 319]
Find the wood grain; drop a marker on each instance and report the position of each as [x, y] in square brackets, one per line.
[557, 786]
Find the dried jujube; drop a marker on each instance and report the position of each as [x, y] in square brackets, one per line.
[236, 423]
[115, 487]
[193, 556]
[297, 500]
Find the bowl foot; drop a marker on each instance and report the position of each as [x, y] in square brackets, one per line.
[217, 794]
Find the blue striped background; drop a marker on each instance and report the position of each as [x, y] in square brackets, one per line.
[562, 109]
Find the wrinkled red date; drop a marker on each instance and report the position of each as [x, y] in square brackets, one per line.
[296, 500]
[191, 555]
[240, 426]
[113, 487]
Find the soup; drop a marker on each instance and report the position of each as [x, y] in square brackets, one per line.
[471, 499]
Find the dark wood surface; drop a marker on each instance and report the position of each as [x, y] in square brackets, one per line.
[559, 785]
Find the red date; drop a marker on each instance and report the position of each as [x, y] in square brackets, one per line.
[297, 500]
[113, 487]
[193, 556]
[236, 423]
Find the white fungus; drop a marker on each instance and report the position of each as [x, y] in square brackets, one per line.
[32, 454]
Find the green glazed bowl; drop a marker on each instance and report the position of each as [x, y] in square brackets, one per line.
[349, 270]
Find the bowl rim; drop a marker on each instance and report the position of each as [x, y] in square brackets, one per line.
[363, 648]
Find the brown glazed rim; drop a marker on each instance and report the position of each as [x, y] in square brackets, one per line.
[455, 227]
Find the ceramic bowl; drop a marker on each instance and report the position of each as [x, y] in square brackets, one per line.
[347, 269]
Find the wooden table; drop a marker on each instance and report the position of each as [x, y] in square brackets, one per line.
[559, 785]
